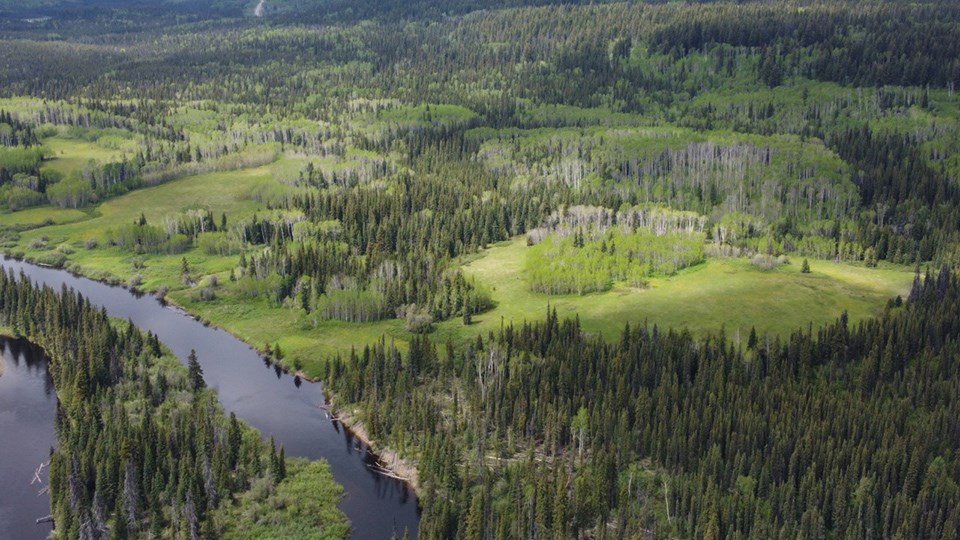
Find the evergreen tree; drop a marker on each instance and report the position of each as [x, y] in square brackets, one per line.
[195, 371]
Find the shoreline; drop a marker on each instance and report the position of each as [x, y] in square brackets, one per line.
[392, 464]
[390, 461]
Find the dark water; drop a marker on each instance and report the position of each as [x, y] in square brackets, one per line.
[275, 403]
[27, 403]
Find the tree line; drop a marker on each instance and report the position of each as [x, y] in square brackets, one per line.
[541, 431]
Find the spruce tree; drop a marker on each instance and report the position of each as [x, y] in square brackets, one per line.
[196, 372]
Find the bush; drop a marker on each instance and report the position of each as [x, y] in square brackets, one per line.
[418, 320]
[208, 294]
[135, 281]
[53, 258]
[765, 262]
[90, 243]
[38, 243]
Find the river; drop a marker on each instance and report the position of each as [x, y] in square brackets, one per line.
[27, 405]
[274, 402]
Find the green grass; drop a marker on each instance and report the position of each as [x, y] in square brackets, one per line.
[303, 505]
[726, 293]
[256, 321]
[70, 155]
[32, 217]
[721, 293]
[220, 192]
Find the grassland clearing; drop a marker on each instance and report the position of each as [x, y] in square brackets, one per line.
[720, 293]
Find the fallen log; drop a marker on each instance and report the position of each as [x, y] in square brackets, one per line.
[36, 475]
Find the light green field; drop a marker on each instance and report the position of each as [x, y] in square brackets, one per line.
[306, 346]
[727, 293]
[70, 155]
[31, 217]
[219, 192]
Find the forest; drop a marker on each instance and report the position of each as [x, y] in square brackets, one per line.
[595, 269]
[144, 448]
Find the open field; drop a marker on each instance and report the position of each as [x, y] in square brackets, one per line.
[727, 293]
[220, 192]
[721, 293]
[32, 217]
[70, 155]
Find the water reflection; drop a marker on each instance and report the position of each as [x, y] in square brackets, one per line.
[27, 408]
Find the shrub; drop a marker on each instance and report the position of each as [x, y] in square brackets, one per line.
[90, 243]
[418, 320]
[135, 281]
[53, 258]
[208, 294]
[765, 262]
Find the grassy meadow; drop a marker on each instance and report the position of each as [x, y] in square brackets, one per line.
[67, 155]
[721, 293]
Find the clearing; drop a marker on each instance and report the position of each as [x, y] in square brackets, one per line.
[720, 293]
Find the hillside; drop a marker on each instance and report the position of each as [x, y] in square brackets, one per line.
[538, 250]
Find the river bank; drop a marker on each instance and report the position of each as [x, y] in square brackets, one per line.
[278, 403]
[392, 463]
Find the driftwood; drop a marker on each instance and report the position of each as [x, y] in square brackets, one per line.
[44, 490]
[388, 472]
[330, 414]
[45, 519]
[36, 475]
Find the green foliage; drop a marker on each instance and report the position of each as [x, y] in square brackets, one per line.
[71, 193]
[589, 436]
[121, 402]
[827, 131]
[562, 265]
[195, 372]
[303, 505]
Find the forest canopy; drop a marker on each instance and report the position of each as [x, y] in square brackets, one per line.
[317, 176]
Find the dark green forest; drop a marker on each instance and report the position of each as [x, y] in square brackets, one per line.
[626, 140]
[542, 432]
[144, 449]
